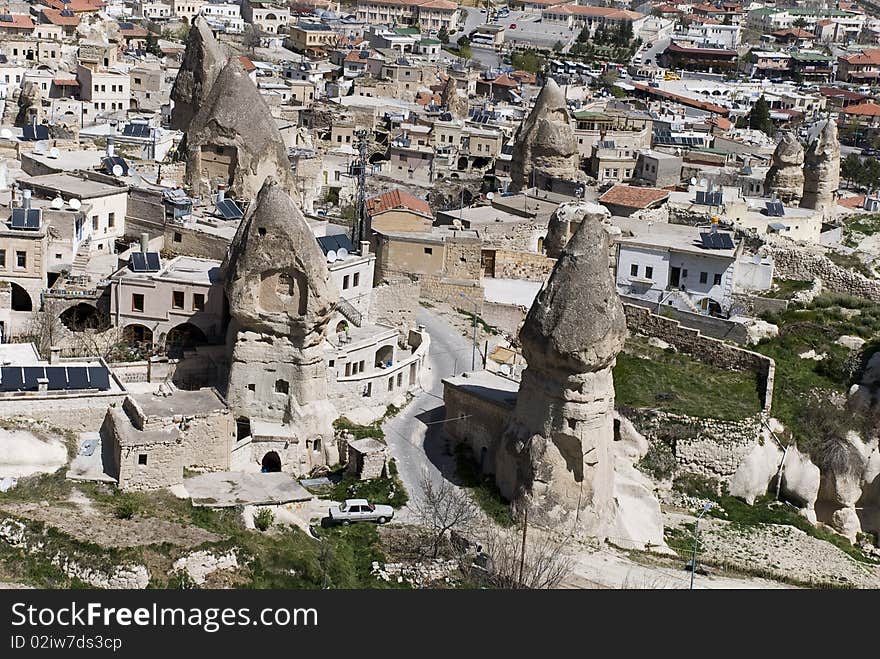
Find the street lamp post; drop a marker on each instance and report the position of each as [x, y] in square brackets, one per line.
[474, 346]
[706, 507]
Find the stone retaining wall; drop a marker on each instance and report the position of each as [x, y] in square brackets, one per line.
[792, 263]
[703, 348]
[522, 265]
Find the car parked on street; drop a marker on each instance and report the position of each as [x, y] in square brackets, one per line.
[360, 510]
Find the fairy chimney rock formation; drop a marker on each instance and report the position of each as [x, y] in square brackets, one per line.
[785, 178]
[822, 169]
[545, 146]
[454, 102]
[566, 219]
[281, 299]
[203, 61]
[556, 459]
[234, 139]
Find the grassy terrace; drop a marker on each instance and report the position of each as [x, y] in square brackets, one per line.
[646, 376]
[804, 386]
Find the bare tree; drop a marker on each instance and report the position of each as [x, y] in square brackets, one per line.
[251, 38]
[443, 507]
[543, 564]
[44, 327]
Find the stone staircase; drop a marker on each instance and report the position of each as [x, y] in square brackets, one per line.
[81, 260]
[351, 314]
[686, 300]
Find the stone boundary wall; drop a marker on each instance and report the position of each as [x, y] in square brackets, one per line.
[395, 303]
[522, 265]
[442, 289]
[703, 348]
[754, 305]
[717, 328]
[792, 263]
[708, 447]
[77, 412]
[506, 317]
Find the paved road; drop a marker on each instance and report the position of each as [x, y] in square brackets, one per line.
[415, 439]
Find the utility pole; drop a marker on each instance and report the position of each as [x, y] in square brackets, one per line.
[522, 551]
[706, 507]
[359, 228]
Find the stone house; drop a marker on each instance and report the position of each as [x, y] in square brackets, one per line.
[149, 439]
[366, 459]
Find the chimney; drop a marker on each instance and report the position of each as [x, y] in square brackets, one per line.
[54, 355]
[221, 192]
[42, 385]
[365, 248]
[25, 198]
[109, 146]
[145, 242]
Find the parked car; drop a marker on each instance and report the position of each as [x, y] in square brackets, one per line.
[870, 153]
[513, 26]
[360, 510]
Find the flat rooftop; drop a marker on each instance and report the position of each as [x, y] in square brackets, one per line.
[190, 268]
[677, 237]
[69, 160]
[488, 386]
[200, 401]
[72, 186]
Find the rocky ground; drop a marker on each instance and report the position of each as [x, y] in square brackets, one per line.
[779, 552]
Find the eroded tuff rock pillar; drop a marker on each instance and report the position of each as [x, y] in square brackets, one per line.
[202, 62]
[566, 219]
[545, 146]
[454, 101]
[281, 299]
[233, 138]
[785, 178]
[822, 169]
[556, 457]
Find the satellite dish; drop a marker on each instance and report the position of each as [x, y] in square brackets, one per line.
[6, 134]
[693, 180]
[54, 153]
[117, 170]
[40, 147]
[57, 203]
[75, 204]
[704, 181]
[490, 196]
[341, 253]
[331, 256]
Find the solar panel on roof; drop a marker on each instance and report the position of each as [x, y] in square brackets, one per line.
[152, 261]
[32, 219]
[716, 240]
[67, 13]
[6, 18]
[31, 375]
[110, 162]
[335, 243]
[775, 209]
[11, 378]
[57, 376]
[99, 378]
[138, 262]
[229, 210]
[77, 377]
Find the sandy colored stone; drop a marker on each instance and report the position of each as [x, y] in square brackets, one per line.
[203, 61]
[454, 101]
[234, 116]
[785, 178]
[545, 146]
[566, 219]
[822, 169]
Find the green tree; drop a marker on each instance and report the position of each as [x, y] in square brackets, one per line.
[153, 45]
[251, 38]
[624, 33]
[800, 23]
[443, 35]
[851, 169]
[870, 174]
[557, 47]
[759, 117]
[585, 34]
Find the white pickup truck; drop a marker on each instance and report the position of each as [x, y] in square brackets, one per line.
[360, 510]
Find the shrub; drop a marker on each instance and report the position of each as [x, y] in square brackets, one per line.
[659, 461]
[263, 519]
[125, 508]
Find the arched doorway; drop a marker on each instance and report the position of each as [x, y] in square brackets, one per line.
[384, 355]
[541, 245]
[21, 299]
[138, 338]
[341, 326]
[81, 317]
[183, 337]
[271, 463]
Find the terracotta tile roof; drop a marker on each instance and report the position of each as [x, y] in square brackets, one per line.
[397, 199]
[721, 122]
[684, 100]
[721, 52]
[867, 109]
[852, 202]
[134, 32]
[55, 18]
[867, 56]
[824, 22]
[355, 56]
[247, 64]
[67, 82]
[426, 98]
[77, 6]
[18, 22]
[524, 77]
[600, 12]
[845, 94]
[632, 197]
[793, 32]
[504, 80]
